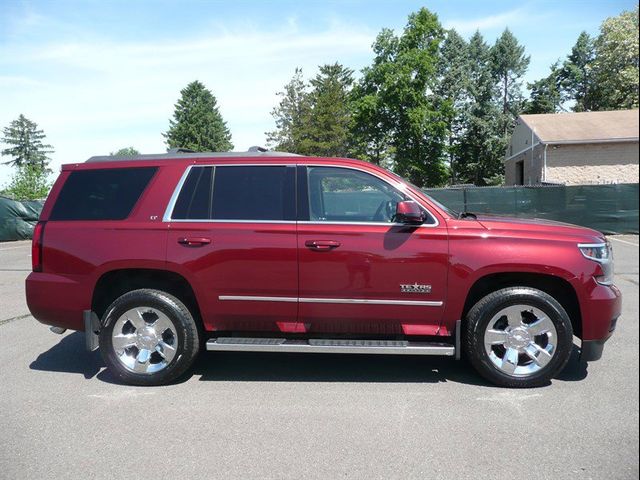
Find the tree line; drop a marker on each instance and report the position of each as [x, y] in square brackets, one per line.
[434, 107]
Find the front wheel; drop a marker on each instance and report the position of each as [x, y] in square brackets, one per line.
[518, 337]
[148, 337]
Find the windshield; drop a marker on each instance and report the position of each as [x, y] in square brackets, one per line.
[448, 210]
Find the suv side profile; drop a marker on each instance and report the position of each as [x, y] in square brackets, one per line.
[157, 257]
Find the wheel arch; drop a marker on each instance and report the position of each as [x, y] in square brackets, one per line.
[114, 283]
[557, 287]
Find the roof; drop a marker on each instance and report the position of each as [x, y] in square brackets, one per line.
[188, 155]
[584, 127]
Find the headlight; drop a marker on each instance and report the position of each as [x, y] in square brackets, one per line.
[601, 253]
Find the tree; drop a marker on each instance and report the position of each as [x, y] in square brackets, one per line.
[326, 131]
[509, 64]
[453, 80]
[29, 182]
[615, 66]
[546, 94]
[197, 123]
[25, 144]
[575, 78]
[399, 86]
[290, 115]
[482, 144]
[125, 152]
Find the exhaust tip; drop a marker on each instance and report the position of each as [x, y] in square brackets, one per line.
[58, 330]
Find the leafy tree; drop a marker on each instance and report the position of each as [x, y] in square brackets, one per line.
[29, 182]
[290, 115]
[615, 66]
[125, 152]
[509, 64]
[546, 94]
[575, 79]
[399, 86]
[197, 123]
[482, 145]
[326, 131]
[25, 144]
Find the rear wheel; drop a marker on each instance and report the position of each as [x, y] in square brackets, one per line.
[148, 337]
[518, 337]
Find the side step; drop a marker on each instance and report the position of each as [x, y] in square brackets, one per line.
[389, 347]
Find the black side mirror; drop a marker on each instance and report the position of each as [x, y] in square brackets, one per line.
[409, 212]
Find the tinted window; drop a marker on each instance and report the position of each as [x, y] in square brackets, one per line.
[254, 193]
[346, 195]
[194, 201]
[104, 194]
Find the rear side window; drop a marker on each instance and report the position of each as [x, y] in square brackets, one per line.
[238, 193]
[102, 194]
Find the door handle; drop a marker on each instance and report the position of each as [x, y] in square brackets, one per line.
[194, 241]
[321, 245]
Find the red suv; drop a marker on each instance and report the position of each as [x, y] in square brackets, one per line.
[157, 257]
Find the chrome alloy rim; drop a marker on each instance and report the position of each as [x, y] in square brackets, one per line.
[144, 340]
[520, 340]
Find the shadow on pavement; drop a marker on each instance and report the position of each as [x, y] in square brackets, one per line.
[70, 356]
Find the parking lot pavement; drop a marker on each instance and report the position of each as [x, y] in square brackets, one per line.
[262, 416]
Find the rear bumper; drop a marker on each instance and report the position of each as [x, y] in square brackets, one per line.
[58, 300]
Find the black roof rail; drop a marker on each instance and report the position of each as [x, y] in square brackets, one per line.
[185, 153]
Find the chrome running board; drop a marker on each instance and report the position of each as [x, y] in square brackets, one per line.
[388, 347]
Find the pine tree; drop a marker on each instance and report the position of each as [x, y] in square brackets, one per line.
[546, 94]
[326, 131]
[26, 145]
[197, 123]
[290, 115]
[576, 79]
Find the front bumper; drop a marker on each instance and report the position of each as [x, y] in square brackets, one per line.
[600, 315]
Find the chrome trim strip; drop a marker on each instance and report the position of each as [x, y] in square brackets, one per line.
[284, 222]
[413, 348]
[366, 301]
[249, 298]
[174, 196]
[351, 301]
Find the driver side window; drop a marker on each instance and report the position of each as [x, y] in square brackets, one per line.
[345, 195]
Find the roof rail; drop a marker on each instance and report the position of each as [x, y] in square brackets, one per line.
[185, 153]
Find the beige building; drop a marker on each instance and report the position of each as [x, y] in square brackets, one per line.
[574, 149]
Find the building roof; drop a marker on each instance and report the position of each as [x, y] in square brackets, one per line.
[584, 127]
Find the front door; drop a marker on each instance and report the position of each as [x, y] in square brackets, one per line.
[360, 272]
[233, 235]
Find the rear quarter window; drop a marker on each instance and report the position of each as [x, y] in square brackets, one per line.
[101, 194]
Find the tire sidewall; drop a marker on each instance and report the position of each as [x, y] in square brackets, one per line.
[481, 315]
[179, 316]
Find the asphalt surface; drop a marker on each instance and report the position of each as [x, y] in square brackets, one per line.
[293, 416]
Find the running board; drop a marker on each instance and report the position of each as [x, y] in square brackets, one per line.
[389, 347]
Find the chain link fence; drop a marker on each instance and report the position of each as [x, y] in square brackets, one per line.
[607, 208]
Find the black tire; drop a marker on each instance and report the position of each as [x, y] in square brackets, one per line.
[188, 341]
[481, 314]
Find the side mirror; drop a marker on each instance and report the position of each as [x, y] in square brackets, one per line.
[409, 212]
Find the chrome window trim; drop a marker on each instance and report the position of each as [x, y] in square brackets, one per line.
[397, 185]
[349, 301]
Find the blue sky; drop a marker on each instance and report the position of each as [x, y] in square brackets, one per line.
[103, 74]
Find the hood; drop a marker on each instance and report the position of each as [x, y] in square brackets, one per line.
[538, 226]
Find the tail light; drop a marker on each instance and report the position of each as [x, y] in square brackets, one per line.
[36, 247]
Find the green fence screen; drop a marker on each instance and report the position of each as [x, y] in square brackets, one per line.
[18, 218]
[607, 208]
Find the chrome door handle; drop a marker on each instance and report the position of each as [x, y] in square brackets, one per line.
[321, 245]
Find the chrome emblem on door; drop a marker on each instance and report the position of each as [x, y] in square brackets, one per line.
[415, 288]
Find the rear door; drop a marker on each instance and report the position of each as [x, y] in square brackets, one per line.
[233, 232]
[359, 271]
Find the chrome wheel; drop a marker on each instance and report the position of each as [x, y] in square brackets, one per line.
[520, 340]
[144, 340]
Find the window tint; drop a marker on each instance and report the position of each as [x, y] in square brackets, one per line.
[254, 193]
[345, 195]
[194, 201]
[103, 194]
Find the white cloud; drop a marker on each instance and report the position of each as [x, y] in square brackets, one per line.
[511, 18]
[92, 96]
